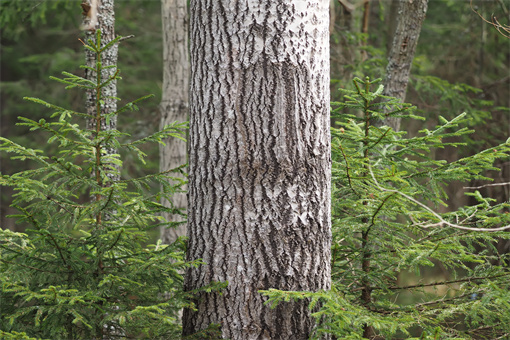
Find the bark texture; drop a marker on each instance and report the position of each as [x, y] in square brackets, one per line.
[174, 102]
[410, 17]
[260, 165]
[100, 15]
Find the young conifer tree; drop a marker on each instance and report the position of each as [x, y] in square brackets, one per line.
[83, 269]
[388, 235]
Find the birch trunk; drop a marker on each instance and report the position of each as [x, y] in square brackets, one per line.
[174, 102]
[410, 17]
[259, 163]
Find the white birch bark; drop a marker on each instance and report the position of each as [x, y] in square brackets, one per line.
[174, 102]
[259, 163]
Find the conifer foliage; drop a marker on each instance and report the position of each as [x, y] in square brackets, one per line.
[83, 269]
[387, 192]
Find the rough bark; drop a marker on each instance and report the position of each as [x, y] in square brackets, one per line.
[174, 102]
[411, 14]
[259, 163]
[99, 14]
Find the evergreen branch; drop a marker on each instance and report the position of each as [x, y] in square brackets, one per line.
[10, 146]
[34, 268]
[108, 200]
[55, 243]
[60, 205]
[132, 105]
[21, 254]
[441, 222]
[347, 170]
[379, 209]
[45, 103]
[419, 306]
[121, 231]
[74, 82]
[379, 139]
[109, 80]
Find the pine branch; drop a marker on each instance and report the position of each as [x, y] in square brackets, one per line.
[441, 222]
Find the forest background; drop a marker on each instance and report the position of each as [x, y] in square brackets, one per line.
[462, 64]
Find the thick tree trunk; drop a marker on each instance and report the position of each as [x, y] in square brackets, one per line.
[410, 17]
[174, 102]
[259, 168]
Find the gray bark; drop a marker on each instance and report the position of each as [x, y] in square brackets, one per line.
[411, 14]
[259, 163]
[104, 19]
[174, 102]
[101, 15]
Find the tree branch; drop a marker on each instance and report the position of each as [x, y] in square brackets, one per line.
[441, 222]
[487, 185]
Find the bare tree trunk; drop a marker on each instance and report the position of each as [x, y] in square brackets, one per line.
[174, 102]
[410, 17]
[260, 165]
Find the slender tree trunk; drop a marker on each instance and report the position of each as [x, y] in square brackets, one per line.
[366, 17]
[259, 168]
[365, 23]
[174, 102]
[99, 14]
[392, 20]
[411, 14]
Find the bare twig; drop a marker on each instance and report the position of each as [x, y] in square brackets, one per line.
[126, 37]
[488, 185]
[504, 30]
[468, 279]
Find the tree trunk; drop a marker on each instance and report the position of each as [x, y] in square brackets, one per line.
[174, 101]
[99, 14]
[259, 163]
[411, 14]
